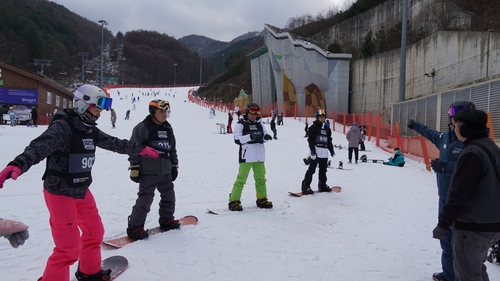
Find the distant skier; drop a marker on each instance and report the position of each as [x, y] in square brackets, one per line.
[127, 114]
[229, 122]
[353, 137]
[12, 115]
[113, 118]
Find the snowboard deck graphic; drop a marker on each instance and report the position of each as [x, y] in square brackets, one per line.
[282, 205]
[117, 264]
[119, 242]
[335, 189]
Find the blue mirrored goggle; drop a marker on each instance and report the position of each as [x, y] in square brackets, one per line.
[321, 112]
[104, 103]
[454, 109]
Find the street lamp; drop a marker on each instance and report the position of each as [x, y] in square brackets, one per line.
[103, 23]
[201, 63]
[175, 67]
[432, 74]
[123, 70]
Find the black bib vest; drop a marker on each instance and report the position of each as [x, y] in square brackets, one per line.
[81, 158]
[159, 138]
[321, 139]
[249, 128]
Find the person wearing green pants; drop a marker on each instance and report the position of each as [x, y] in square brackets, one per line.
[250, 134]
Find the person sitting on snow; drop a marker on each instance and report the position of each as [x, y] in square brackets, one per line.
[397, 160]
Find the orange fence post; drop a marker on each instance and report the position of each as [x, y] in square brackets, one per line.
[370, 126]
[398, 136]
[489, 124]
[379, 122]
[345, 117]
[426, 153]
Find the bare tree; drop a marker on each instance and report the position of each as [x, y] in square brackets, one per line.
[443, 14]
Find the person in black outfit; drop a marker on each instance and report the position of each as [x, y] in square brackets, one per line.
[320, 144]
[229, 122]
[273, 127]
[34, 116]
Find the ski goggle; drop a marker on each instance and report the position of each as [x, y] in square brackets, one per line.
[254, 110]
[104, 103]
[454, 109]
[321, 112]
[161, 104]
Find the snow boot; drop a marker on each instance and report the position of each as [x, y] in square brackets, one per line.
[324, 188]
[264, 203]
[235, 205]
[168, 224]
[438, 277]
[103, 275]
[306, 189]
[137, 232]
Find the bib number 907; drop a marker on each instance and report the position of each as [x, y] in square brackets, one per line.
[87, 162]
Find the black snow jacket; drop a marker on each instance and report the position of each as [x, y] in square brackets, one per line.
[54, 144]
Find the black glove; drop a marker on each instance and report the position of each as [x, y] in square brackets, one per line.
[439, 166]
[439, 233]
[268, 137]
[256, 136]
[411, 124]
[175, 172]
[134, 172]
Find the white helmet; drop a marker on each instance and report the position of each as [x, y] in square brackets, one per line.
[11, 108]
[87, 95]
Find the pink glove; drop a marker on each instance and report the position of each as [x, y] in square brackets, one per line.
[149, 151]
[10, 171]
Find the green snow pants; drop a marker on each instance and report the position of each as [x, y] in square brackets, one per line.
[259, 175]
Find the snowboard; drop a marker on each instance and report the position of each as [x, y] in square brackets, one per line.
[373, 161]
[282, 205]
[340, 167]
[335, 189]
[345, 169]
[119, 242]
[117, 264]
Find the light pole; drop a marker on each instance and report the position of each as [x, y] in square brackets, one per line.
[103, 23]
[223, 66]
[123, 70]
[175, 67]
[201, 64]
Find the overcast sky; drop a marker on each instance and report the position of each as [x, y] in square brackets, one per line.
[217, 19]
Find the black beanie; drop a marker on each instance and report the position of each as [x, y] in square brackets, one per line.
[474, 122]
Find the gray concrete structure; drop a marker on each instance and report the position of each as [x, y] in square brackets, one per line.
[459, 58]
[307, 67]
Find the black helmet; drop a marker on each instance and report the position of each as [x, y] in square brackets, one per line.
[320, 112]
[252, 107]
[158, 104]
[459, 105]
